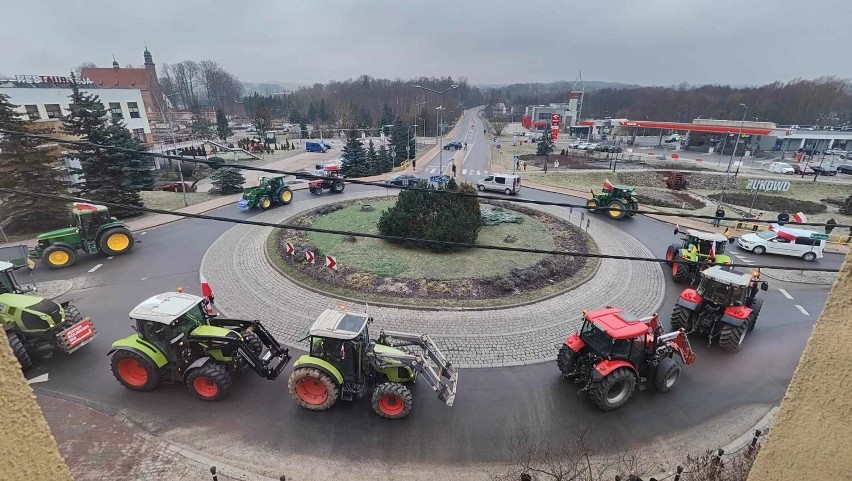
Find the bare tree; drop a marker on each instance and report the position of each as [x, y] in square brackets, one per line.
[498, 126]
[78, 70]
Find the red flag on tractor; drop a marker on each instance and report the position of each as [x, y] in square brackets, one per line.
[206, 291]
[607, 185]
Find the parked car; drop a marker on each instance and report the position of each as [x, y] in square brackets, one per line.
[592, 146]
[176, 187]
[327, 145]
[835, 152]
[404, 180]
[802, 169]
[582, 145]
[781, 168]
[453, 146]
[808, 151]
[825, 170]
[844, 169]
[313, 146]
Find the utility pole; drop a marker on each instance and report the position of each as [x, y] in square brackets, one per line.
[174, 145]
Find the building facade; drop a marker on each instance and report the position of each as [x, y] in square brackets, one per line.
[142, 79]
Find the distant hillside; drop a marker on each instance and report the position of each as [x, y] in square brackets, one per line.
[557, 87]
[266, 88]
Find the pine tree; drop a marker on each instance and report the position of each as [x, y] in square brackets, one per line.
[228, 180]
[200, 125]
[383, 160]
[354, 157]
[386, 119]
[105, 175]
[373, 166]
[545, 143]
[303, 130]
[27, 164]
[222, 129]
[399, 139]
[139, 173]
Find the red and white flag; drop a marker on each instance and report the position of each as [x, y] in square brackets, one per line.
[786, 235]
[713, 250]
[800, 217]
[607, 185]
[206, 291]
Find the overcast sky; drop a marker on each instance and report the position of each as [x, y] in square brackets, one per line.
[649, 42]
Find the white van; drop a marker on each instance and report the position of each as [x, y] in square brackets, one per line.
[805, 244]
[507, 183]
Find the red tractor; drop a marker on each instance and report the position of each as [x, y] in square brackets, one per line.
[724, 307]
[615, 351]
[333, 181]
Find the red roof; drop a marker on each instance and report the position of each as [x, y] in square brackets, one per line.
[134, 78]
[613, 323]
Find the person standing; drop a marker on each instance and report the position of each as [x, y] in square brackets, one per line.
[414, 165]
[829, 226]
[783, 217]
[556, 165]
[525, 165]
[720, 213]
[454, 169]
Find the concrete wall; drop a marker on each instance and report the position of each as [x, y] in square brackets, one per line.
[812, 434]
[28, 450]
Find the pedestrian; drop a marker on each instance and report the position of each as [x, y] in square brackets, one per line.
[720, 212]
[465, 146]
[556, 165]
[829, 226]
[783, 217]
[414, 165]
[525, 165]
[454, 170]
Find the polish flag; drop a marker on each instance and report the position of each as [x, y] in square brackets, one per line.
[607, 185]
[677, 229]
[786, 235]
[713, 250]
[800, 217]
[206, 291]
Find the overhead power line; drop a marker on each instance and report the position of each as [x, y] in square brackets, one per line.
[386, 237]
[417, 189]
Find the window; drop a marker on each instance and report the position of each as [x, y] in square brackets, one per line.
[500, 180]
[133, 107]
[115, 110]
[54, 111]
[139, 134]
[32, 112]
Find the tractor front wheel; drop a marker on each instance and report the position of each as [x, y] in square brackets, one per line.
[253, 342]
[19, 350]
[666, 375]
[135, 372]
[615, 390]
[731, 337]
[265, 202]
[73, 314]
[392, 400]
[58, 257]
[209, 382]
[116, 241]
[680, 319]
[566, 359]
[616, 210]
[337, 186]
[313, 389]
[593, 205]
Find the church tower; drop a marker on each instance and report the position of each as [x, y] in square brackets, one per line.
[154, 91]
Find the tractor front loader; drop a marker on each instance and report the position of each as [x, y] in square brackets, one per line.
[344, 363]
[271, 191]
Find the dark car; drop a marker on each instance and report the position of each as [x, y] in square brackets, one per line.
[327, 146]
[844, 169]
[808, 151]
[615, 149]
[825, 170]
[803, 169]
[453, 146]
[176, 187]
[404, 180]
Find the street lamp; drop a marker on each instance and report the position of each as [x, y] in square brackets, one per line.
[437, 115]
[408, 145]
[174, 145]
[740, 134]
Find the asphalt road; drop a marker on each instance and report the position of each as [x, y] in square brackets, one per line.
[493, 406]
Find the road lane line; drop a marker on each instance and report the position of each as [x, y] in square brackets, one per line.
[786, 294]
[93, 269]
[802, 309]
[464, 171]
[110, 257]
[143, 233]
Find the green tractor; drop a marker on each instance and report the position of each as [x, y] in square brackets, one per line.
[178, 341]
[617, 200]
[92, 230]
[697, 246]
[34, 324]
[271, 191]
[344, 363]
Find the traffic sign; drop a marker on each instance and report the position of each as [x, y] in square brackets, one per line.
[819, 236]
[330, 262]
[289, 249]
[309, 256]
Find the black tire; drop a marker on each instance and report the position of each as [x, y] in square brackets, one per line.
[758, 250]
[253, 342]
[73, 314]
[337, 186]
[111, 234]
[209, 382]
[151, 371]
[680, 318]
[392, 400]
[481, 188]
[666, 375]
[681, 272]
[265, 202]
[593, 205]
[615, 389]
[672, 251]
[71, 255]
[566, 359]
[285, 196]
[731, 338]
[508, 191]
[616, 210]
[809, 257]
[315, 378]
[756, 306]
[19, 350]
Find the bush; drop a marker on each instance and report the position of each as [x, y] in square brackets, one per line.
[772, 203]
[186, 168]
[217, 160]
[846, 209]
[434, 216]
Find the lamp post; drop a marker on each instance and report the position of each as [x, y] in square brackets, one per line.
[174, 145]
[739, 135]
[438, 116]
[408, 144]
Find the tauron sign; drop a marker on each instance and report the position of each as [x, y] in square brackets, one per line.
[768, 185]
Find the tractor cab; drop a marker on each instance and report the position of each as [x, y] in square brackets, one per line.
[341, 338]
[728, 287]
[704, 242]
[616, 334]
[167, 318]
[8, 283]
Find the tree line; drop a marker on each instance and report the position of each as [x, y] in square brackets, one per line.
[201, 82]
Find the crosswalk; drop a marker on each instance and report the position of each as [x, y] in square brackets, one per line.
[744, 259]
[434, 170]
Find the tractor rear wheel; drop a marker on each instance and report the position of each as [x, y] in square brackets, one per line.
[680, 318]
[392, 400]
[680, 272]
[731, 337]
[313, 389]
[135, 372]
[285, 196]
[565, 359]
[593, 205]
[615, 390]
[666, 375]
[337, 186]
[57, 257]
[116, 241]
[73, 314]
[756, 306]
[615, 210]
[19, 350]
[209, 382]
[265, 202]
[253, 342]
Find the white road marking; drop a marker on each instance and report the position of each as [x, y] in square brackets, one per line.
[786, 294]
[110, 257]
[143, 279]
[464, 171]
[802, 310]
[93, 269]
[143, 233]
[42, 378]
[478, 173]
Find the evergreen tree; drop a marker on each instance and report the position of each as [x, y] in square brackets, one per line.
[323, 112]
[312, 112]
[373, 159]
[401, 138]
[354, 157]
[27, 164]
[228, 180]
[386, 119]
[303, 130]
[222, 129]
[105, 175]
[139, 171]
[383, 160]
[545, 143]
[200, 125]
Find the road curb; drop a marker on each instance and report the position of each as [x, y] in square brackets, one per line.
[770, 273]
